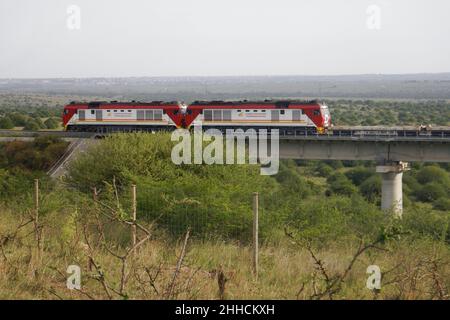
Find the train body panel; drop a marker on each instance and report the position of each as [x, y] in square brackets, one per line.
[267, 114]
[102, 115]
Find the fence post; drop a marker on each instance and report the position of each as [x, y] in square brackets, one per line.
[37, 231]
[255, 234]
[94, 194]
[36, 201]
[133, 227]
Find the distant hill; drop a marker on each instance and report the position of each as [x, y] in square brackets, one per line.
[395, 86]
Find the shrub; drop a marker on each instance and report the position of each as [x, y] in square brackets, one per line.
[340, 184]
[430, 192]
[32, 125]
[432, 174]
[359, 174]
[213, 200]
[321, 221]
[292, 182]
[37, 155]
[18, 119]
[6, 123]
[51, 123]
[371, 188]
[324, 170]
[442, 204]
[427, 223]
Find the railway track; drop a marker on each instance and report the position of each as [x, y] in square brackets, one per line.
[356, 132]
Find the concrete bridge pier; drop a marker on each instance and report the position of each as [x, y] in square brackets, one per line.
[391, 188]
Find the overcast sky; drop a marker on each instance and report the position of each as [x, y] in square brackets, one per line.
[227, 37]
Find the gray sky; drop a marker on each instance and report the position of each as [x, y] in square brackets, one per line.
[226, 37]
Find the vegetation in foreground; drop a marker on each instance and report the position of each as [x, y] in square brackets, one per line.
[320, 229]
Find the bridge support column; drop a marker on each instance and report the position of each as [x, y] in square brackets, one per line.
[391, 188]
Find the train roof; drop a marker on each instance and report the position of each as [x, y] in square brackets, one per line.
[265, 104]
[260, 102]
[114, 103]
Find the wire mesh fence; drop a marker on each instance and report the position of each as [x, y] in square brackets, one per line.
[170, 214]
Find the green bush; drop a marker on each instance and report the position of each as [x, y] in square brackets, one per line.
[18, 119]
[359, 174]
[427, 223]
[324, 170]
[340, 184]
[432, 174]
[51, 123]
[442, 204]
[322, 220]
[213, 200]
[371, 188]
[292, 182]
[6, 123]
[32, 125]
[431, 192]
[38, 154]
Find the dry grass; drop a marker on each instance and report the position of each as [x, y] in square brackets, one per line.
[209, 270]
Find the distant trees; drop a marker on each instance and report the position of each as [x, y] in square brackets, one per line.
[432, 174]
[430, 192]
[51, 123]
[430, 183]
[18, 119]
[29, 118]
[442, 204]
[39, 154]
[359, 174]
[371, 188]
[32, 125]
[389, 112]
[324, 170]
[6, 123]
[338, 183]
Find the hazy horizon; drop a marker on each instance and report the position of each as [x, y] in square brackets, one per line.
[244, 76]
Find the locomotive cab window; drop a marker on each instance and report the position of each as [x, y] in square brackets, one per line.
[317, 112]
[66, 111]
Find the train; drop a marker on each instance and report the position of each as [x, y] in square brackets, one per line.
[113, 116]
[290, 117]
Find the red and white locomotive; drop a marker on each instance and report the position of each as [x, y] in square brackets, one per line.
[116, 116]
[289, 116]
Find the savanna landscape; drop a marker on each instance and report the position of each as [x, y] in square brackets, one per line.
[320, 222]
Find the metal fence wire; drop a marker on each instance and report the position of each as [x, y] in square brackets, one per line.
[172, 215]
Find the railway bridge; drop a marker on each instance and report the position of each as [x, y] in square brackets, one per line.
[392, 155]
